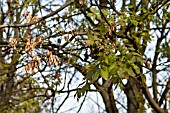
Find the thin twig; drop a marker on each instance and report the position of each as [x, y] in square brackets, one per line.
[41, 19]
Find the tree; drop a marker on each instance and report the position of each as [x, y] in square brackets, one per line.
[113, 45]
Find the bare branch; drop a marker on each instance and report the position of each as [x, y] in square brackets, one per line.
[152, 102]
[41, 19]
[163, 97]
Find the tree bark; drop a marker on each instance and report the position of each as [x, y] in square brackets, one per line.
[108, 97]
[103, 3]
[6, 88]
[135, 99]
[1, 58]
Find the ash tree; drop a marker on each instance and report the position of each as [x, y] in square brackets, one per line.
[54, 50]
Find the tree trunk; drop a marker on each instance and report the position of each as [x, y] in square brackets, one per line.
[135, 99]
[1, 58]
[6, 87]
[107, 96]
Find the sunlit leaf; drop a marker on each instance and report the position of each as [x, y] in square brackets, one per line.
[104, 74]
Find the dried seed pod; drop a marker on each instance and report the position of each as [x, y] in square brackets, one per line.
[35, 18]
[13, 42]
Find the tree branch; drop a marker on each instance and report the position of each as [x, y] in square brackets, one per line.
[151, 101]
[41, 19]
[163, 97]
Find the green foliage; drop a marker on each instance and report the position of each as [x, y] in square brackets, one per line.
[55, 42]
[82, 90]
[92, 72]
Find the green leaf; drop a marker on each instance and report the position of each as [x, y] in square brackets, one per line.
[113, 65]
[104, 74]
[92, 9]
[116, 79]
[130, 72]
[95, 77]
[143, 79]
[134, 22]
[106, 60]
[91, 70]
[59, 28]
[104, 67]
[136, 68]
[98, 16]
[80, 92]
[89, 14]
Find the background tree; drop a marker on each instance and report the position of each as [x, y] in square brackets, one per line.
[77, 47]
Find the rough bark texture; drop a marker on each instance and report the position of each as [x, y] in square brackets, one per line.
[1, 58]
[108, 97]
[134, 96]
[6, 88]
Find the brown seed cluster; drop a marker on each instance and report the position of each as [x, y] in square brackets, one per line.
[35, 63]
[30, 45]
[35, 18]
[39, 38]
[66, 37]
[28, 17]
[112, 28]
[51, 59]
[26, 13]
[82, 2]
[13, 42]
